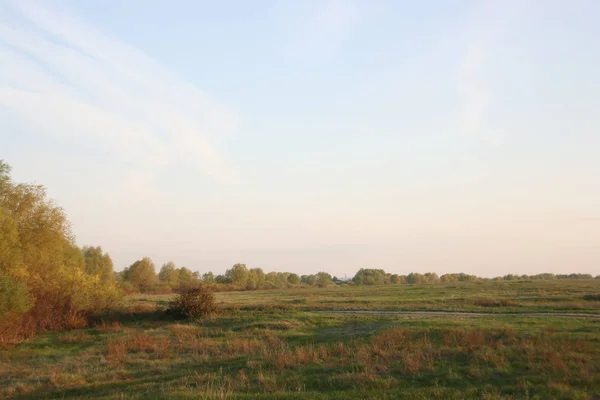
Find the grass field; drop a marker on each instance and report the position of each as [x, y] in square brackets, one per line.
[285, 344]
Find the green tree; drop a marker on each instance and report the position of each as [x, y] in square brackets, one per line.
[371, 277]
[186, 278]
[222, 279]
[168, 274]
[323, 279]
[293, 280]
[208, 277]
[142, 274]
[98, 263]
[257, 276]
[272, 280]
[309, 280]
[238, 275]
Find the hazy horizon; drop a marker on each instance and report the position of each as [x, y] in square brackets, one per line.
[325, 135]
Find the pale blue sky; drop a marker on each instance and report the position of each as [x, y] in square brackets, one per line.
[313, 135]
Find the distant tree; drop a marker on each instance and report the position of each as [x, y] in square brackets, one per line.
[256, 278]
[98, 263]
[141, 274]
[223, 279]
[413, 278]
[293, 280]
[185, 275]
[467, 278]
[370, 277]
[323, 279]
[187, 279]
[449, 278]
[309, 280]
[238, 275]
[272, 280]
[431, 277]
[208, 277]
[168, 274]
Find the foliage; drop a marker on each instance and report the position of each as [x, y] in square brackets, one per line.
[371, 277]
[98, 263]
[293, 280]
[208, 277]
[323, 279]
[15, 299]
[194, 303]
[168, 274]
[141, 274]
[44, 281]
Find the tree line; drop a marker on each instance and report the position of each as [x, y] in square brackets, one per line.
[141, 276]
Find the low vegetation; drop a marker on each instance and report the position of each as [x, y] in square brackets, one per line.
[193, 303]
[284, 350]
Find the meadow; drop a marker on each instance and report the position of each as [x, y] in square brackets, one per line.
[511, 340]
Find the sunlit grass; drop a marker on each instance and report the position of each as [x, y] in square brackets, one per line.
[273, 344]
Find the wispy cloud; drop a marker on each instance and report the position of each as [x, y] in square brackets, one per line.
[476, 96]
[490, 27]
[60, 76]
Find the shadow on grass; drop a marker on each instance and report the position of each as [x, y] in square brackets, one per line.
[143, 381]
[128, 318]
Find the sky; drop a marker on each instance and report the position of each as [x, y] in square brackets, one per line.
[313, 135]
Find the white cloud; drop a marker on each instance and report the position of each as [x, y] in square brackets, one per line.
[60, 76]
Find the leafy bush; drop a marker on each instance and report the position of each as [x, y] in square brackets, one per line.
[194, 302]
[46, 282]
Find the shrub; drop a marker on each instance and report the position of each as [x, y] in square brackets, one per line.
[193, 303]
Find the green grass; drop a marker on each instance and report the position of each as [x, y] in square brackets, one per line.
[276, 345]
[497, 297]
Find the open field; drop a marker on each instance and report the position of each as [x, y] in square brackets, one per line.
[558, 296]
[280, 344]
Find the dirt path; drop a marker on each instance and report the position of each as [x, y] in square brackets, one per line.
[460, 314]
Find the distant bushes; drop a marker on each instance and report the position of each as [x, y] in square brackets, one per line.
[380, 277]
[141, 277]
